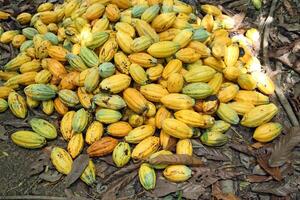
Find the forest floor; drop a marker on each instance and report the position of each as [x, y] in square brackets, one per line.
[240, 169]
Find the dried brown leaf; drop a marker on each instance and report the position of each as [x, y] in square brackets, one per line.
[219, 195]
[79, 165]
[243, 148]
[209, 153]
[262, 160]
[121, 172]
[258, 178]
[176, 159]
[282, 150]
[39, 165]
[163, 187]
[50, 176]
[192, 191]
[276, 188]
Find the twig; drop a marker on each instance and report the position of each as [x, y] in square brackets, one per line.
[33, 197]
[278, 90]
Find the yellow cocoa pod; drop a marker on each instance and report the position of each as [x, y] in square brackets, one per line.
[163, 49]
[161, 114]
[32, 103]
[126, 28]
[183, 37]
[241, 107]
[31, 66]
[167, 6]
[219, 126]
[161, 152]
[267, 132]
[143, 28]
[176, 128]
[182, 7]
[122, 62]
[140, 133]
[56, 68]
[4, 75]
[80, 120]
[89, 174]
[119, 129]
[226, 113]
[264, 83]
[17, 105]
[141, 43]
[135, 100]
[231, 73]
[147, 176]
[94, 11]
[214, 63]
[45, 7]
[218, 50]
[193, 119]
[169, 34]
[231, 55]
[84, 97]
[92, 80]
[124, 41]
[48, 107]
[145, 148]
[181, 24]
[52, 27]
[94, 132]
[154, 73]
[43, 77]
[115, 83]
[184, 146]
[68, 97]
[177, 173]
[101, 24]
[75, 145]
[123, 4]
[246, 81]
[175, 83]
[153, 92]
[136, 120]
[200, 48]
[253, 97]
[8, 36]
[57, 52]
[60, 108]
[166, 141]
[121, 154]
[18, 40]
[24, 18]
[216, 82]
[15, 63]
[210, 9]
[61, 160]
[108, 116]
[208, 22]
[173, 66]
[28, 139]
[112, 12]
[108, 50]
[259, 115]
[48, 17]
[177, 101]
[199, 74]
[143, 59]
[82, 77]
[138, 74]
[210, 138]
[187, 55]
[66, 125]
[151, 110]
[227, 92]
[163, 21]
[40, 27]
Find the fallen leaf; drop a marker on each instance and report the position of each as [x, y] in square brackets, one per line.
[39, 165]
[276, 188]
[258, 178]
[228, 174]
[108, 159]
[122, 171]
[163, 187]
[257, 145]
[219, 195]
[176, 159]
[50, 176]
[243, 148]
[101, 168]
[209, 153]
[282, 150]
[262, 160]
[116, 185]
[79, 165]
[192, 191]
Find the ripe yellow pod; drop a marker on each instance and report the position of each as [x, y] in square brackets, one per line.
[141, 43]
[28, 139]
[121, 154]
[231, 73]
[61, 160]
[101, 24]
[200, 48]
[176, 128]
[126, 28]
[193, 119]
[166, 141]
[122, 62]
[153, 92]
[267, 132]
[84, 97]
[214, 63]
[57, 53]
[31, 66]
[175, 83]
[136, 120]
[122, 4]
[124, 41]
[226, 113]
[75, 145]
[56, 68]
[45, 7]
[227, 92]
[24, 18]
[112, 12]
[184, 146]
[208, 22]
[4, 75]
[256, 98]
[177, 173]
[264, 83]
[210, 9]
[143, 59]
[199, 74]
[241, 107]
[66, 125]
[119, 129]
[169, 34]
[218, 50]
[150, 121]
[216, 82]
[161, 114]
[67, 82]
[60, 108]
[183, 37]
[108, 50]
[40, 27]
[145, 148]
[138, 74]
[140, 133]
[48, 17]
[43, 77]
[8, 36]
[219, 126]
[173, 66]
[31, 103]
[231, 55]
[48, 107]
[17, 105]
[143, 28]
[5, 91]
[163, 49]
[187, 55]
[246, 81]
[135, 100]
[163, 21]
[115, 83]
[18, 40]
[52, 27]
[210, 138]
[177, 101]
[155, 72]
[147, 176]
[182, 7]
[94, 132]
[94, 11]
[89, 174]
[181, 24]
[259, 115]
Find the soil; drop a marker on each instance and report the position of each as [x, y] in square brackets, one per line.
[17, 164]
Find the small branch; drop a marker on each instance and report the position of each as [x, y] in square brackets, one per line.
[33, 197]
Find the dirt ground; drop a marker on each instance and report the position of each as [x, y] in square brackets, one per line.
[28, 172]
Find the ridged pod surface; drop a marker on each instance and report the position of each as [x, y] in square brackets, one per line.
[163, 49]
[267, 132]
[145, 148]
[176, 128]
[40, 92]
[102, 147]
[139, 133]
[143, 59]
[241, 107]
[108, 116]
[197, 90]
[177, 101]
[192, 118]
[17, 105]
[177, 173]
[115, 83]
[119, 129]
[173, 66]
[199, 74]
[61, 160]
[153, 92]
[75, 145]
[184, 146]
[3, 105]
[211, 138]
[226, 113]
[43, 128]
[227, 92]
[68, 97]
[80, 120]
[121, 154]
[89, 174]
[104, 100]
[253, 97]
[147, 176]
[220, 126]
[84, 97]
[259, 115]
[138, 74]
[66, 125]
[94, 132]
[28, 139]
[135, 100]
